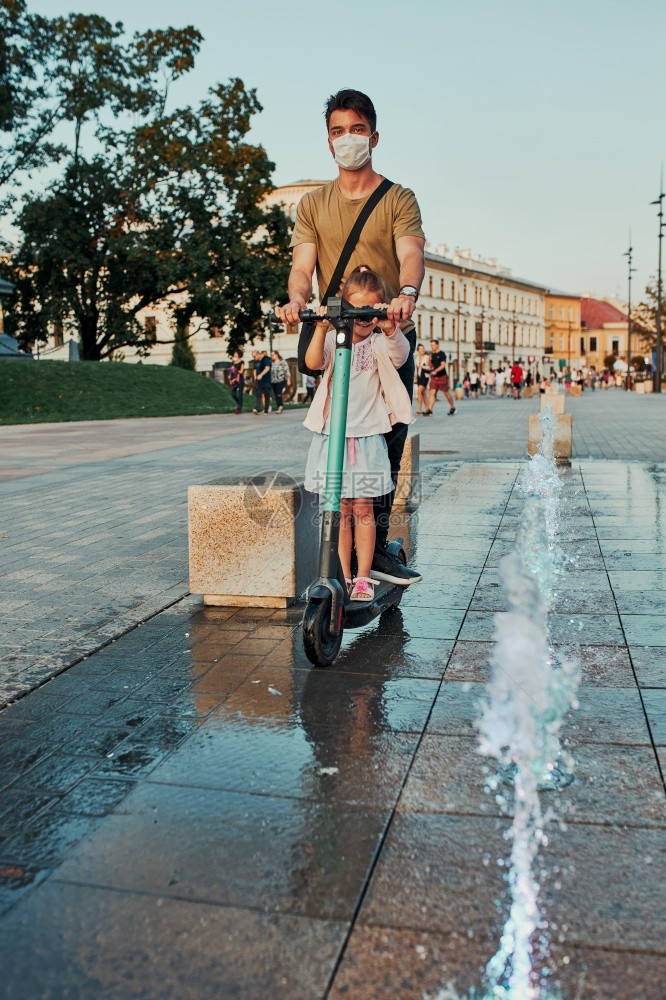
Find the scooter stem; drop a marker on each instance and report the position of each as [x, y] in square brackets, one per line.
[328, 556]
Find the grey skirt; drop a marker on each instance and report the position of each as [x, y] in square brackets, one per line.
[366, 471]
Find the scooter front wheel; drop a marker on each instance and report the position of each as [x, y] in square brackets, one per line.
[321, 645]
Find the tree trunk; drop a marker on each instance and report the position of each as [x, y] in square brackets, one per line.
[88, 323]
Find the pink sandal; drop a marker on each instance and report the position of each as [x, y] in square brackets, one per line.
[363, 589]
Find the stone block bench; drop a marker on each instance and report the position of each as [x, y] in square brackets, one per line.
[252, 543]
[407, 491]
[255, 542]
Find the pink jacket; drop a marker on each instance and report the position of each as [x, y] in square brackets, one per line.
[391, 352]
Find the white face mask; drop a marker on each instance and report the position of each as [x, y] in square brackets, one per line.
[351, 151]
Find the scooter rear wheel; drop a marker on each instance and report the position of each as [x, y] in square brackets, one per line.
[320, 644]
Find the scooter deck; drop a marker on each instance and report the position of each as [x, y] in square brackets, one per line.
[387, 595]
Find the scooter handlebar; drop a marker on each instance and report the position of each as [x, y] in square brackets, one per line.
[361, 313]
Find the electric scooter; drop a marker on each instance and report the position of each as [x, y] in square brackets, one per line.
[329, 610]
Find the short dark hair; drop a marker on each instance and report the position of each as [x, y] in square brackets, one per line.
[351, 100]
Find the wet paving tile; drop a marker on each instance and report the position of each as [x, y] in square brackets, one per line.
[383, 963]
[18, 807]
[224, 676]
[329, 696]
[424, 623]
[489, 597]
[16, 882]
[46, 840]
[95, 796]
[646, 630]
[642, 580]
[439, 873]
[602, 666]
[606, 715]
[55, 774]
[351, 765]
[582, 629]
[633, 602]
[448, 776]
[274, 854]
[615, 786]
[117, 946]
[453, 596]
[650, 665]
[456, 710]
[470, 662]
[655, 709]
[478, 626]
[145, 747]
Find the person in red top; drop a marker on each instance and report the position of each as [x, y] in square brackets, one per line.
[516, 380]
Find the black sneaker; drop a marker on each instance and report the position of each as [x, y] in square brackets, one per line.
[389, 568]
[452, 411]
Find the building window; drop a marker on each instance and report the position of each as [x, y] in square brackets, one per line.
[582, 345]
[569, 315]
[616, 347]
[418, 324]
[561, 312]
[58, 339]
[150, 329]
[432, 327]
[551, 312]
[593, 343]
[443, 334]
[441, 287]
[430, 284]
[453, 290]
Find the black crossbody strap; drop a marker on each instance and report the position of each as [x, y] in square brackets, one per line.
[352, 239]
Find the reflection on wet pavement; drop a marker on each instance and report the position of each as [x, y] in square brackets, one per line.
[198, 803]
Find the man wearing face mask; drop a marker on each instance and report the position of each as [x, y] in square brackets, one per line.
[391, 243]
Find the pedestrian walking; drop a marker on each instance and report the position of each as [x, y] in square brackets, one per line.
[516, 376]
[280, 378]
[237, 380]
[262, 381]
[439, 378]
[422, 370]
[310, 385]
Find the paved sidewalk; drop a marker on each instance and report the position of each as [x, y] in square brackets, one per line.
[194, 812]
[94, 520]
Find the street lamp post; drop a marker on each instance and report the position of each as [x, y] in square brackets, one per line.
[659, 201]
[628, 254]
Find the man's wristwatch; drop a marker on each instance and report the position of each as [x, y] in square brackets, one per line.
[410, 290]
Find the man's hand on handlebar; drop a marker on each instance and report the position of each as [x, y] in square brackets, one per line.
[289, 313]
[401, 308]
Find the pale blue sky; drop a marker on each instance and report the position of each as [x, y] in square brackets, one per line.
[533, 132]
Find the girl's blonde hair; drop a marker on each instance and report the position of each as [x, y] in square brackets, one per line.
[364, 279]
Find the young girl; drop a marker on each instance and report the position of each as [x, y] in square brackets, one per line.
[421, 377]
[377, 399]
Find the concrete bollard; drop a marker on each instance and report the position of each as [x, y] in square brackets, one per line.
[407, 488]
[555, 401]
[253, 543]
[563, 437]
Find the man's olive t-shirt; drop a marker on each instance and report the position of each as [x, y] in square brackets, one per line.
[325, 218]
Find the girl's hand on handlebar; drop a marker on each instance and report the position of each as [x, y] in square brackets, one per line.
[321, 324]
[387, 326]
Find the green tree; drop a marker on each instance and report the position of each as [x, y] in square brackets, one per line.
[644, 316]
[166, 212]
[182, 355]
